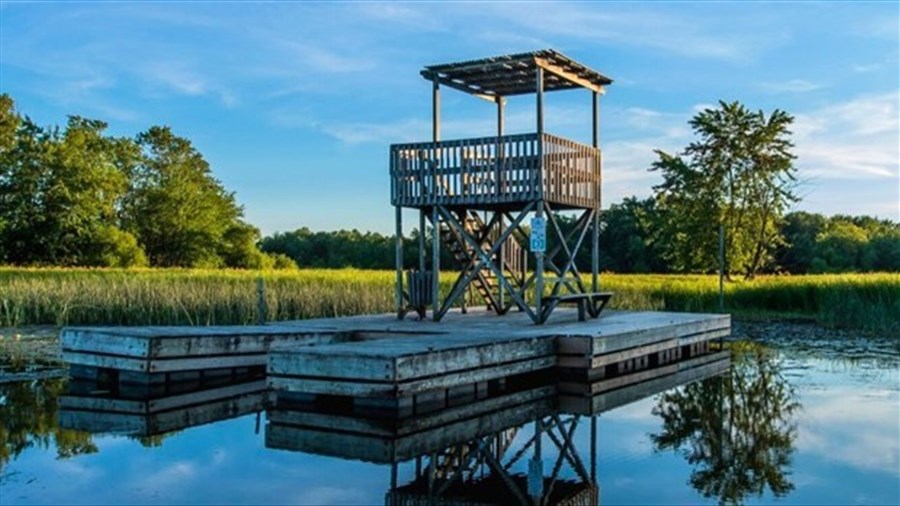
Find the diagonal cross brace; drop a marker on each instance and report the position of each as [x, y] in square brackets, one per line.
[485, 260]
[570, 264]
[548, 258]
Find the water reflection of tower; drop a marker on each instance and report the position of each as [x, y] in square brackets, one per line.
[491, 470]
[515, 445]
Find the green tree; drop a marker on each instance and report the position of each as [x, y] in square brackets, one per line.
[85, 187]
[60, 192]
[177, 210]
[739, 173]
[23, 180]
[628, 238]
[9, 128]
[839, 247]
[239, 249]
[800, 229]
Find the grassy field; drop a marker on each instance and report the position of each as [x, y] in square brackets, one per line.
[203, 297]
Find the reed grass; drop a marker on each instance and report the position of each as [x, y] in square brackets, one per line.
[58, 296]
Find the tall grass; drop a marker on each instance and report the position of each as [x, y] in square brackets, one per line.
[206, 297]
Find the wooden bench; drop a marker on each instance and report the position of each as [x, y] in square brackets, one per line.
[590, 303]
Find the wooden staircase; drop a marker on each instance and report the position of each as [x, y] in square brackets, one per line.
[512, 260]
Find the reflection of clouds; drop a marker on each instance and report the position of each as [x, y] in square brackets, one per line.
[169, 479]
[219, 456]
[855, 428]
[329, 495]
[623, 431]
[73, 469]
[640, 411]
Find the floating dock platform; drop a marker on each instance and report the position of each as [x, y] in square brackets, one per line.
[380, 359]
[405, 362]
[152, 352]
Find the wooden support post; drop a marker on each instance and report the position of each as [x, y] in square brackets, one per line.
[398, 260]
[539, 261]
[535, 480]
[435, 218]
[594, 449]
[501, 115]
[595, 236]
[393, 477]
[595, 107]
[539, 88]
[422, 240]
[435, 111]
[261, 307]
[435, 263]
[502, 256]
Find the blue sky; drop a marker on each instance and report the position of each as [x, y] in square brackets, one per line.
[295, 104]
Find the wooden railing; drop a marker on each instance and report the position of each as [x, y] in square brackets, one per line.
[495, 170]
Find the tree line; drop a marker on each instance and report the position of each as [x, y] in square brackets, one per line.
[631, 241]
[76, 196]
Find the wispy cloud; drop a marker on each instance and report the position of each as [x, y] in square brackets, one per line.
[791, 86]
[842, 425]
[666, 32]
[857, 138]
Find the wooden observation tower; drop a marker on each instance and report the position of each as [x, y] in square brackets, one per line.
[491, 200]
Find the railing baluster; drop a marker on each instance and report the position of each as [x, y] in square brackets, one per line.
[495, 170]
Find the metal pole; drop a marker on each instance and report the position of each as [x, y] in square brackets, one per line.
[595, 236]
[398, 260]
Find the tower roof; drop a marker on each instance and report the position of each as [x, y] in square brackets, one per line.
[513, 74]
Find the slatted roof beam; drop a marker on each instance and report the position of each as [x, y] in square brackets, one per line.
[461, 87]
[572, 77]
[513, 74]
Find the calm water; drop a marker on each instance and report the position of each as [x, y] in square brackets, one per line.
[807, 422]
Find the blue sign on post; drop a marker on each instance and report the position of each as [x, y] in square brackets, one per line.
[538, 235]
